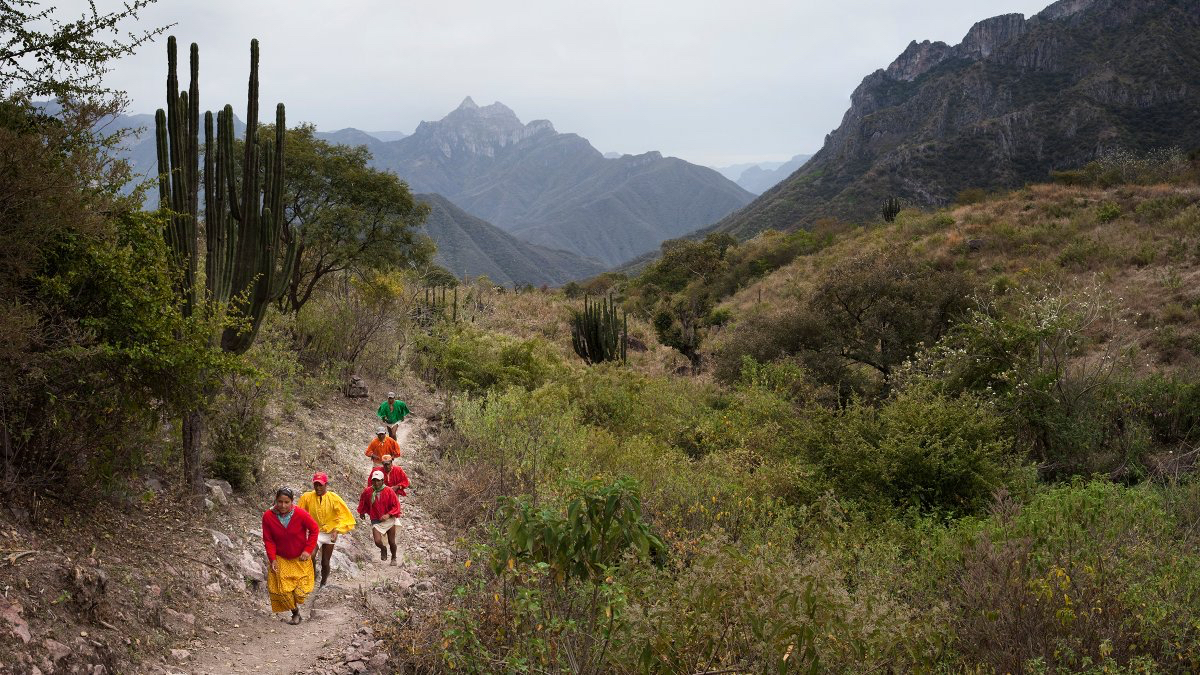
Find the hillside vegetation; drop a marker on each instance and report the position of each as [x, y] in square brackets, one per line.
[963, 441]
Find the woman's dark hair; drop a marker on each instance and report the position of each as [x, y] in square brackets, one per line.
[285, 490]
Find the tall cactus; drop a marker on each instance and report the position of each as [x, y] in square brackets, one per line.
[249, 251]
[243, 219]
[891, 209]
[596, 333]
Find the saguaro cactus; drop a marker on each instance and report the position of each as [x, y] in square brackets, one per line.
[597, 334]
[249, 251]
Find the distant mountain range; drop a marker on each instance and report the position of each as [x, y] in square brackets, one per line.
[1014, 100]
[555, 189]
[541, 186]
[762, 176]
[470, 246]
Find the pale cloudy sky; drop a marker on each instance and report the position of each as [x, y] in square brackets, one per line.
[712, 81]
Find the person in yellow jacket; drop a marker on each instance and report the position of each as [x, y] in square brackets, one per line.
[333, 517]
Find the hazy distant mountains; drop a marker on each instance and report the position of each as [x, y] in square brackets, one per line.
[470, 246]
[547, 188]
[555, 189]
[762, 176]
[1014, 100]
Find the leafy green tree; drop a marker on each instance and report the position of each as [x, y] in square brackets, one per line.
[96, 350]
[350, 217]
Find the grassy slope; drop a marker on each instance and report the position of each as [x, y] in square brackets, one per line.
[1147, 257]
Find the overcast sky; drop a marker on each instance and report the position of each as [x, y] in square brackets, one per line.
[712, 81]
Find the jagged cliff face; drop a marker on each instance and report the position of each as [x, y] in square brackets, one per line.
[1014, 100]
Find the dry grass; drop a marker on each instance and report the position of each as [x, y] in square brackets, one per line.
[1140, 244]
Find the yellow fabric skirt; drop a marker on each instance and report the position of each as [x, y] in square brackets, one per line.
[291, 585]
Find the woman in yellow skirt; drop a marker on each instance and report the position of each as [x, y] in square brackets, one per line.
[290, 536]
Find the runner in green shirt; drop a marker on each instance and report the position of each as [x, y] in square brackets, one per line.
[393, 412]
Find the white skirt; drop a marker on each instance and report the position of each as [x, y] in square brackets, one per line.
[384, 525]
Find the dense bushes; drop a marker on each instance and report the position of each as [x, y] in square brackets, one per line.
[94, 351]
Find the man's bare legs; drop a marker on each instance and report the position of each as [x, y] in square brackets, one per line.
[326, 557]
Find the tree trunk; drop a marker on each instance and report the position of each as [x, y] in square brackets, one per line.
[193, 469]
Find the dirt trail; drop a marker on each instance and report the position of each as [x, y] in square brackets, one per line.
[243, 636]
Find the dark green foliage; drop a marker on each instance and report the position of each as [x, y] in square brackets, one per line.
[919, 450]
[597, 334]
[891, 209]
[239, 431]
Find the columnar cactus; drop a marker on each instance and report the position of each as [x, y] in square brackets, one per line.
[244, 235]
[891, 209]
[596, 333]
[250, 252]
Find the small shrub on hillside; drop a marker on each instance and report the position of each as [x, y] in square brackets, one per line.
[865, 317]
[1123, 167]
[1067, 411]
[238, 436]
[239, 427]
[970, 196]
[1108, 212]
[554, 595]
[1084, 254]
[920, 449]
[1160, 209]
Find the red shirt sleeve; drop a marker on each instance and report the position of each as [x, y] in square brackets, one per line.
[310, 524]
[268, 537]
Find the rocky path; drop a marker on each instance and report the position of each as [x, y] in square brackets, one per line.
[237, 631]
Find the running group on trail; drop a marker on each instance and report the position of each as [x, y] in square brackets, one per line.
[293, 528]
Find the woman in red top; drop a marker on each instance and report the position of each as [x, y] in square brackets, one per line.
[290, 536]
[382, 506]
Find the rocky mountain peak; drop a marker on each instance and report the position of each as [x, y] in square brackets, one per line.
[1064, 8]
[985, 36]
[474, 130]
[917, 59]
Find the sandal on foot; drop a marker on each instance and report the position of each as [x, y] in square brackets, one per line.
[295, 620]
